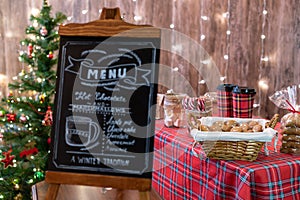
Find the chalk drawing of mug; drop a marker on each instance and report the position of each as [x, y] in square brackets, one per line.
[81, 131]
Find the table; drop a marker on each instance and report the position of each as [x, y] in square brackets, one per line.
[179, 174]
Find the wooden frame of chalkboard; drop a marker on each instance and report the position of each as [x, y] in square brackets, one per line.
[104, 113]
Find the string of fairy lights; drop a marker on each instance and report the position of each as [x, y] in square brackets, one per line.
[225, 19]
[226, 15]
[204, 20]
[262, 83]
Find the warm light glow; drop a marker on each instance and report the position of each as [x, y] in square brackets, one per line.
[172, 26]
[262, 84]
[256, 105]
[176, 69]
[202, 82]
[262, 37]
[228, 32]
[266, 59]
[202, 37]
[225, 15]
[137, 18]
[22, 73]
[35, 11]
[223, 78]
[205, 18]
[69, 18]
[265, 12]
[226, 57]
[84, 12]
[3, 77]
[205, 62]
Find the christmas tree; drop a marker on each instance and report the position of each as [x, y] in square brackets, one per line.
[25, 115]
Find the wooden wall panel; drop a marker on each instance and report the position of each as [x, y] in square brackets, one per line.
[244, 67]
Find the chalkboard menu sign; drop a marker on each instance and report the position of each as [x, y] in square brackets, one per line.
[105, 99]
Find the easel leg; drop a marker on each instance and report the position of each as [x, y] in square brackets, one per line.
[144, 195]
[52, 191]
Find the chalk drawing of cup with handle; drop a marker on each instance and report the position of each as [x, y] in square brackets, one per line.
[81, 132]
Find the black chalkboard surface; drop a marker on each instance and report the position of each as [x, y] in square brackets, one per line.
[105, 103]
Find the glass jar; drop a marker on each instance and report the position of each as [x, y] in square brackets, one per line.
[173, 110]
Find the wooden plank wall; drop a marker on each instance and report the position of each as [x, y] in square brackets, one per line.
[181, 46]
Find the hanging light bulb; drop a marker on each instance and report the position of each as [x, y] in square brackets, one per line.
[265, 59]
[84, 12]
[205, 18]
[205, 62]
[225, 15]
[137, 18]
[223, 78]
[265, 12]
[263, 84]
[202, 82]
[202, 37]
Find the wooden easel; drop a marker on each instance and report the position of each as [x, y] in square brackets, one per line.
[55, 179]
[109, 24]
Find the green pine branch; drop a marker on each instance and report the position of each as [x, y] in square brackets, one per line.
[22, 113]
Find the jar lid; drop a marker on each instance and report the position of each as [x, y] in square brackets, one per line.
[226, 87]
[243, 90]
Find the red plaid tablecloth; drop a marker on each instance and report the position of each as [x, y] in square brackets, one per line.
[178, 174]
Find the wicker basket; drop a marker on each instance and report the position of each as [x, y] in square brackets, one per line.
[234, 150]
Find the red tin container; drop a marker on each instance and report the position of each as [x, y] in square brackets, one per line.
[243, 100]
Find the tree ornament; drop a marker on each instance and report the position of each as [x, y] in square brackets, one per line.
[50, 55]
[28, 152]
[45, 3]
[23, 118]
[29, 50]
[49, 141]
[18, 197]
[43, 31]
[11, 117]
[48, 120]
[8, 160]
[42, 98]
[39, 175]
[2, 113]
[10, 98]
[22, 73]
